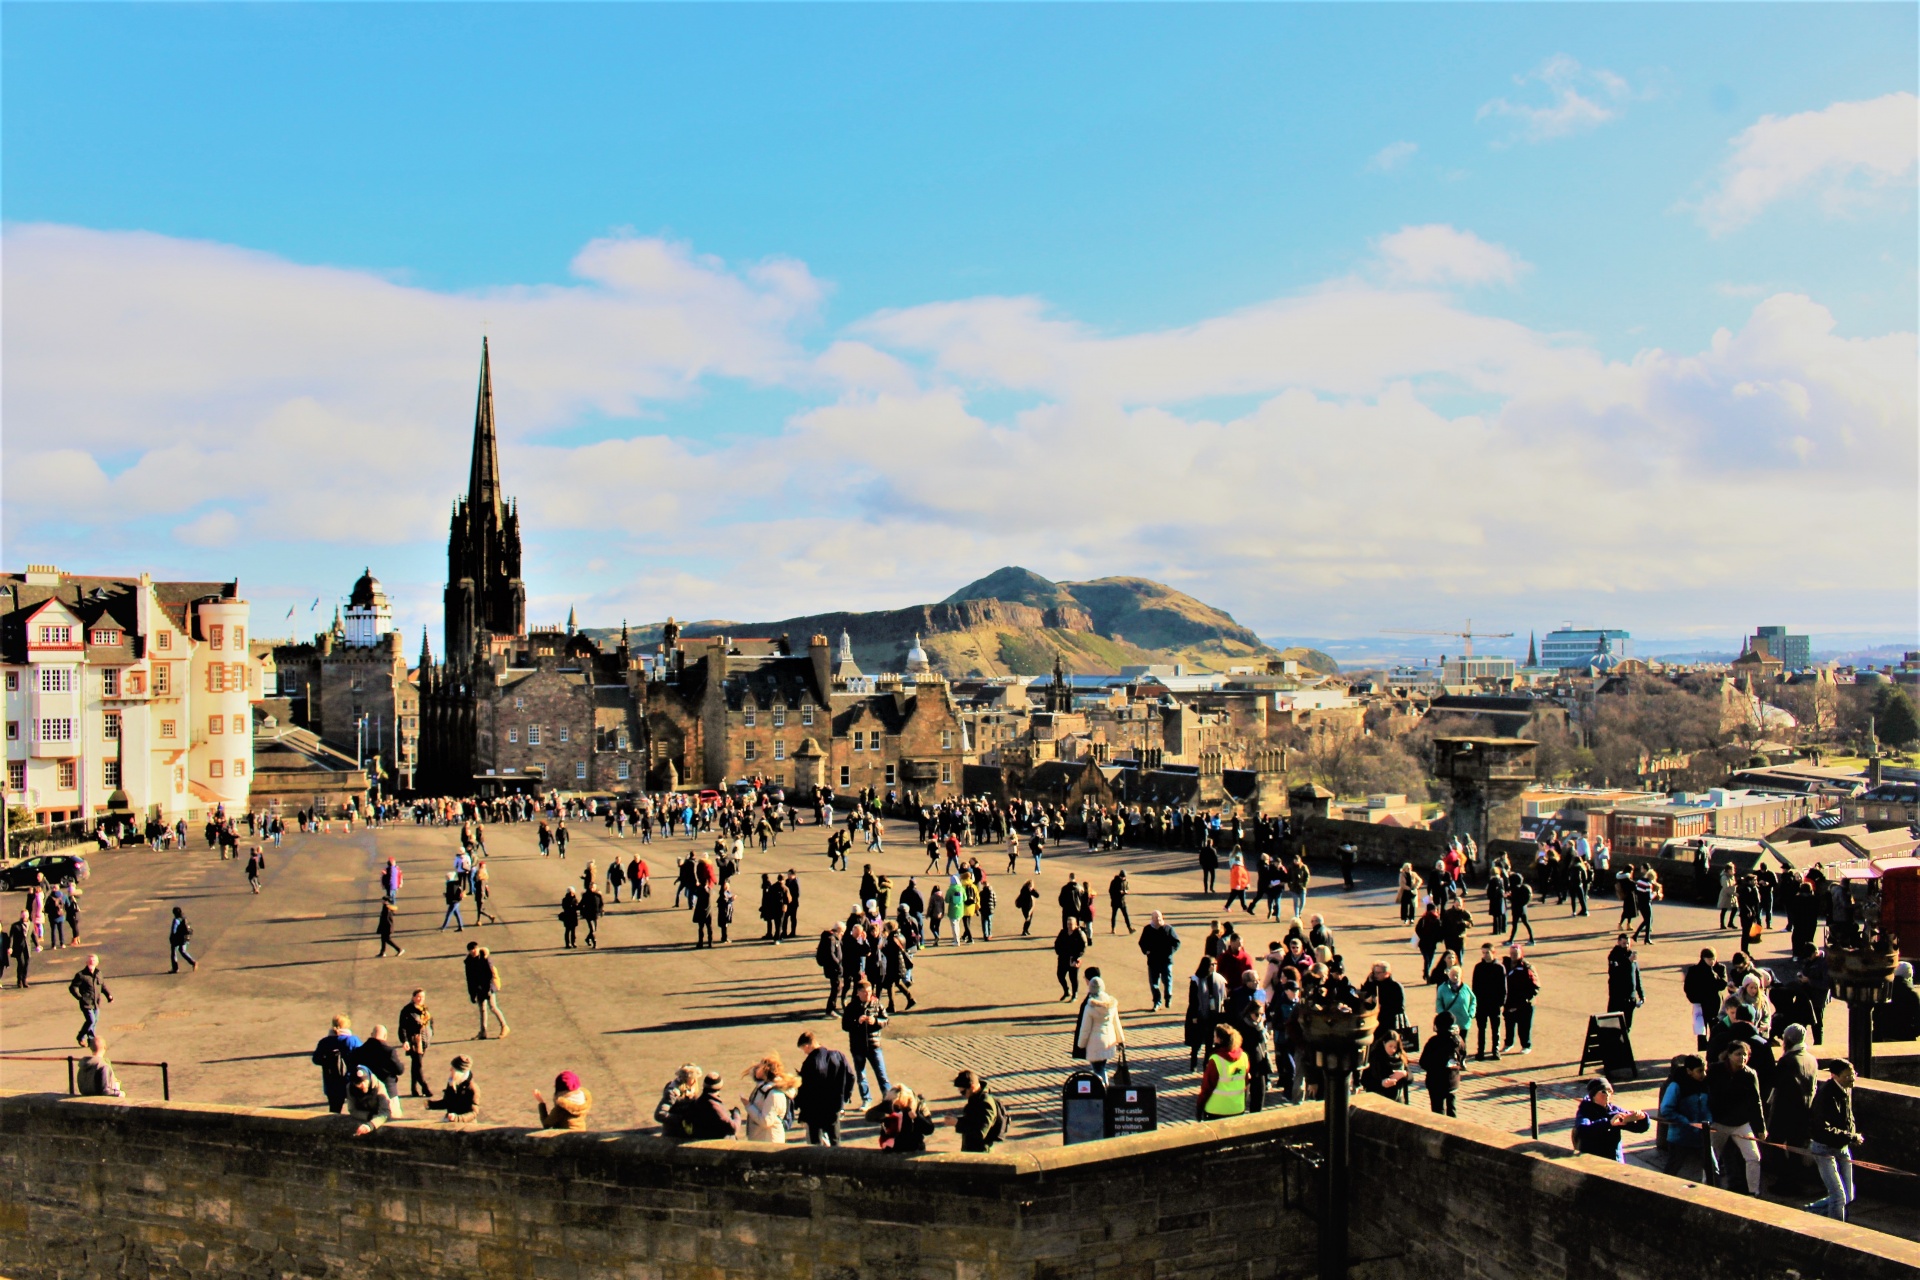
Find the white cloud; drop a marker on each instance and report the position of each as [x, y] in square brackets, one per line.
[1576, 99]
[1439, 254]
[1304, 462]
[1392, 156]
[1846, 154]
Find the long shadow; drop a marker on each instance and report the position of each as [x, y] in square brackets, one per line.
[257, 1057]
[723, 1023]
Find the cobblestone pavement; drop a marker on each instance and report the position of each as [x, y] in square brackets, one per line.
[275, 967]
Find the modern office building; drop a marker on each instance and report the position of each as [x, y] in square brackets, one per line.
[1578, 647]
[1794, 652]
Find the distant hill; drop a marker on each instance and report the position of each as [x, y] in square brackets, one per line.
[1014, 622]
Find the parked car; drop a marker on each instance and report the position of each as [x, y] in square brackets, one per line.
[56, 867]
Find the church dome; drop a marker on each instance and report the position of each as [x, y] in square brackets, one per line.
[917, 657]
[367, 592]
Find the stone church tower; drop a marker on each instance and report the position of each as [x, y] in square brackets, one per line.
[485, 596]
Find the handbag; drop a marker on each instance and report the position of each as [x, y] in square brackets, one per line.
[1122, 1078]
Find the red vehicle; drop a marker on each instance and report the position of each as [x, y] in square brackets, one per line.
[1900, 901]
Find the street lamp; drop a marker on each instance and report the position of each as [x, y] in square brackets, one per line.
[1338, 1027]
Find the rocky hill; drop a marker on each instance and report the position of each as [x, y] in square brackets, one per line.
[1014, 622]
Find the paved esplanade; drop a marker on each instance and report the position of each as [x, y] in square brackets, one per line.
[274, 968]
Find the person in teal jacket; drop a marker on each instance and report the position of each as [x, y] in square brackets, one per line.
[1454, 996]
[1689, 1120]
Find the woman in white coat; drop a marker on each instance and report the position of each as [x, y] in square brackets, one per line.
[1100, 1037]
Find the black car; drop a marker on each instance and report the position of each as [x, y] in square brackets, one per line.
[56, 867]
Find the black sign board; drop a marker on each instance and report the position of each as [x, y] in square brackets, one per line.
[1082, 1108]
[1610, 1047]
[1132, 1108]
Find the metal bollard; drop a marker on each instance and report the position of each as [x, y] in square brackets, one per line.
[72, 1088]
[166, 1093]
[1533, 1108]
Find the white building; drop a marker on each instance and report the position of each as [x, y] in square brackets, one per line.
[125, 696]
[369, 612]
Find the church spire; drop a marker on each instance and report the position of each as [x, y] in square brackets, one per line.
[570, 624]
[426, 652]
[483, 481]
[1533, 654]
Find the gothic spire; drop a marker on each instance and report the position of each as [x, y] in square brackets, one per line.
[1533, 654]
[570, 625]
[483, 481]
[426, 651]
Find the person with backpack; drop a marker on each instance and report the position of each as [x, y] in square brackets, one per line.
[334, 1056]
[983, 1120]
[1025, 901]
[830, 956]
[454, 895]
[179, 934]
[703, 1117]
[484, 986]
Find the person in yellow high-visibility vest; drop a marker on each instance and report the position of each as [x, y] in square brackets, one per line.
[1223, 1087]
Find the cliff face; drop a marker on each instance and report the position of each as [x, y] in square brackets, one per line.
[1015, 622]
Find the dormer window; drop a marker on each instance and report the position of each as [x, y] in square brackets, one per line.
[752, 717]
[106, 635]
[55, 635]
[779, 717]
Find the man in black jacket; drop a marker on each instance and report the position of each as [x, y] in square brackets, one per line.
[89, 990]
[704, 1118]
[826, 1087]
[1490, 998]
[1068, 948]
[1523, 985]
[1519, 896]
[1705, 986]
[829, 956]
[1158, 942]
[862, 1021]
[382, 1057]
[1624, 990]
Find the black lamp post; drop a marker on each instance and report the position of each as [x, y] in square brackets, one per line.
[1339, 1038]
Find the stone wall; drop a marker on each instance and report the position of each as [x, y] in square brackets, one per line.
[1438, 1199]
[92, 1187]
[1377, 844]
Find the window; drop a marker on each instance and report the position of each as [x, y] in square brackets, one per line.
[533, 735]
[873, 740]
[56, 729]
[16, 775]
[752, 717]
[946, 739]
[110, 682]
[110, 726]
[239, 637]
[163, 678]
[239, 724]
[566, 733]
[621, 741]
[859, 740]
[106, 635]
[69, 775]
[180, 777]
[889, 775]
[946, 773]
[580, 771]
[56, 635]
[513, 735]
[624, 771]
[13, 682]
[779, 717]
[519, 704]
[753, 751]
[780, 749]
[216, 636]
[239, 768]
[56, 680]
[136, 682]
[110, 773]
[216, 724]
[806, 714]
[13, 731]
[216, 768]
[846, 775]
[169, 729]
[163, 639]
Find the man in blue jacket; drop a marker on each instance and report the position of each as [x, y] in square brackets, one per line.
[334, 1056]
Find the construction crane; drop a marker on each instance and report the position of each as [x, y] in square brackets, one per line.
[1469, 635]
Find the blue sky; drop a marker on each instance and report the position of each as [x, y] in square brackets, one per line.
[874, 280]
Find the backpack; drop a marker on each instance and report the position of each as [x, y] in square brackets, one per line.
[999, 1120]
[337, 1067]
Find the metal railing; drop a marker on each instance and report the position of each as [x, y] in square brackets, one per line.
[72, 1061]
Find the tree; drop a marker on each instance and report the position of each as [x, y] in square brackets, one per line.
[1894, 719]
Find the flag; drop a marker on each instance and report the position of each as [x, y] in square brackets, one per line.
[314, 605]
[289, 611]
